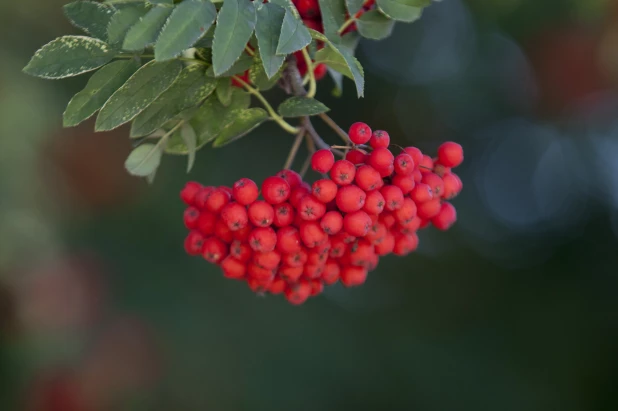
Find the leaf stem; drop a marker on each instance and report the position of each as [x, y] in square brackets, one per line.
[294, 151]
[273, 114]
[249, 51]
[347, 24]
[310, 73]
[331, 123]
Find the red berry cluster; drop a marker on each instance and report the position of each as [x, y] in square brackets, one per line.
[300, 237]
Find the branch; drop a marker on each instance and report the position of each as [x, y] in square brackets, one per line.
[297, 141]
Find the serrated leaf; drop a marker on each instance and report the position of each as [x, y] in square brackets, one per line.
[144, 160]
[342, 60]
[100, 87]
[333, 17]
[224, 91]
[146, 31]
[123, 20]
[208, 123]
[206, 40]
[190, 139]
[354, 6]
[239, 123]
[301, 107]
[294, 35]
[242, 64]
[235, 24]
[403, 10]
[91, 17]
[69, 56]
[267, 31]
[258, 77]
[189, 21]
[137, 93]
[288, 5]
[375, 25]
[190, 88]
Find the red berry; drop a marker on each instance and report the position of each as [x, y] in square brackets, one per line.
[312, 234]
[386, 245]
[359, 133]
[405, 244]
[380, 138]
[324, 190]
[235, 216]
[206, 223]
[311, 209]
[297, 259]
[312, 271]
[350, 198]
[214, 250]
[450, 154]
[387, 172]
[232, 268]
[298, 193]
[308, 9]
[421, 193]
[187, 194]
[200, 198]
[240, 251]
[356, 156]
[316, 287]
[191, 217]
[425, 165]
[290, 273]
[445, 218]
[405, 183]
[288, 240]
[332, 222]
[429, 209]
[194, 242]
[223, 232]
[353, 276]
[261, 214]
[292, 177]
[269, 260]
[368, 178]
[284, 215]
[393, 196]
[407, 212]
[322, 161]
[261, 274]
[277, 286]
[435, 182]
[320, 71]
[217, 199]
[275, 190]
[374, 203]
[298, 293]
[452, 186]
[343, 172]
[263, 239]
[330, 274]
[415, 153]
[381, 158]
[357, 223]
[404, 164]
[245, 191]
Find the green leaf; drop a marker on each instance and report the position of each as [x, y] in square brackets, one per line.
[350, 40]
[137, 93]
[342, 60]
[123, 20]
[208, 120]
[100, 87]
[239, 123]
[181, 143]
[190, 88]
[91, 17]
[69, 56]
[189, 21]
[146, 31]
[224, 91]
[301, 107]
[190, 139]
[235, 24]
[144, 160]
[338, 80]
[288, 5]
[294, 35]
[170, 2]
[258, 76]
[242, 64]
[354, 6]
[403, 10]
[333, 17]
[267, 31]
[375, 25]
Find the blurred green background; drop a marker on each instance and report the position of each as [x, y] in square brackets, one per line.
[515, 308]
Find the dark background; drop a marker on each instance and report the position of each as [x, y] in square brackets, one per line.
[515, 308]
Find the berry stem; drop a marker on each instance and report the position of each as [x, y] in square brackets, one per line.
[310, 73]
[331, 123]
[249, 51]
[347, 24]
[294, 151]
[317, 139]
[273, 114]
[307, 163]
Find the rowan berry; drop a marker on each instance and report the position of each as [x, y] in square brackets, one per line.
[240, 251]
[269, 260]
[296, 259]
[316, 287]
[235, 216]
[428, 209]
[191, 217]
[385, 246]
[404, 164]
[359, 133]
[381, 158]
[452, 186]
[292, 177]
[421, 193]
[405, 244]
[379, 139]
[261, 214]
[330, 274]
[194, 242]
[288, 240]
[405, 183]
[275, 190]
[298, 293]
[243, 233]
[245, 191]
[217, 199]
[415, 153]
[284, 215]
[356, 156]
[263, 239]
[262, 274]
[450, 154]
[407, 211]
[223, 232]
[322, 161]
[214, 250]
[324, 190]
[200, 198]
[308, 9]
[445, 218]
[435, 182]
[350, 198]
[291, 274]
[277, 286]
[374, 203]
[393, 197]
[425, 165]
[312, 234]
[233, 268]
[311, 209]
[312, 271]
[343, 172]
[357, 223]
[298, 193]
[189, 191]
[368, 178]
[319, 71]
[332, 222]
[387, 172]
[352, 276]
